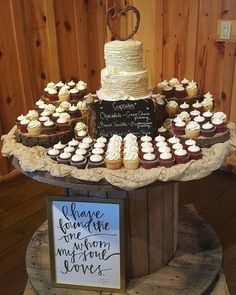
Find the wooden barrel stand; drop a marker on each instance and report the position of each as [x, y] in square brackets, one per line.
[195, 268]
[151, 219]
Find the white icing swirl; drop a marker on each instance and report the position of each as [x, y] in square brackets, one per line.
[207, 126]
[97, 151]
[180, 152]
[193, 126]
[173, 140]
[80, 152]
[177, 146]
[53, 152]
[96, 158]
[69, 149]
[149, 157]
[34, 124]
[131, 156]
[65, 156]
[65, 105]
[59, 146]
[48, 123]
[165, 156]
[73, 142]
[194, 148]
[77, 158]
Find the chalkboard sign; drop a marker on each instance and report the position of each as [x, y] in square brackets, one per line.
[86, 239]
[123, 117]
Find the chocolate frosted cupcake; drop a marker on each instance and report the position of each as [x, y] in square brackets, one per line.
[166, 160]
[78, 161]
[181, 156]
[195, 152]
[64, 158]
[96, 161]
[208, 130]
[149, 161]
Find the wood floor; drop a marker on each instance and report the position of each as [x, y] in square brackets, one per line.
[22, 210]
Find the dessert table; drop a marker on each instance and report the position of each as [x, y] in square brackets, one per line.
[168, 251]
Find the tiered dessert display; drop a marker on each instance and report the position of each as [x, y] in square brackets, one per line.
[54, 116]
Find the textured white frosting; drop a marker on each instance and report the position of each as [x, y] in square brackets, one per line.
[146, 138]
[50, 108]
[48, 123]
[97, 151]
[81, 152]
[164, 149]
[65, 156]
[147, 149]
[84, 145]
[177, 146]
[65, 105]
[21, 117]
[195, 113]
[149, 157]
[53, 152]
[131, 156]
[82, 133]
[219, 115]
[161, 129]
[113, 155]
[193, 126]
[59, 146]
[207, 126]
[34, 124]
[73, 142]
[96, 158]
[77, 158]
[190, 142]
[147, 144]
[184, 106]
[173, 140]
[194, 148]
[69, 149]
[159, 138]
[124, 76]
[161, 144]
[87, 139]
[80, 126]
[165, 156]
[207, 114]
[130, 149]
[102, 139]
[99, 145]
[199, 119]
[180, 152]
[184, 115]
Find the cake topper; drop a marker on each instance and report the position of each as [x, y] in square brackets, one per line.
[114, 12]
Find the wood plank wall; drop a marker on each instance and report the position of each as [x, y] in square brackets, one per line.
[49, 40]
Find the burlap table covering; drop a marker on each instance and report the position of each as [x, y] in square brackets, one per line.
[35, 158]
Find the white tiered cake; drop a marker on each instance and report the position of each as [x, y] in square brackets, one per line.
[124, 76]
[125, 103]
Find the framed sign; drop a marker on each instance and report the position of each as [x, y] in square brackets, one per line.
[86, 240]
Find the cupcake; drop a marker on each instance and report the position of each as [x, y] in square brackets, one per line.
[52, 94]
[50, 108]
[207, 104]
[207, 115]
[53, 153]
[189, 142]
[98, 151]
[74, 94]
[163, 131]
[172, 108]
[74, 143]
[49, 127]
[174, 82]
[82, 106]
[166, 160]
[184, 82]
[65, 105]
[197, 106]
[180, 92]
[177, 146]
[164, 149]
[71, 84]
[208, 130]
[192, 129]
[64, 158]
[149, 161]
[23, 125]
[131, 160]
[159, 138]
[82, 87]
[32, 115]
[161, 85]
[82, 152]
[18, 119]
[74, 112]
[80, 126]
[38, 103]
[69, 149]
[168, 91]
[64, 94]
[219, 124]
[184, 107]
[96, 161]
[220, 115]
[195, 152]
[192, 89]
[62, 124]
[199, 119]
[88, 140]
[179, 127]
[59, 85]
[43, 119]
[59, 146]
[173, 140]
[194, 114]
[81, 134]
[41, 108]
[145, 138]
[55, 116]
[113, 159]
[185, 116]
[181, 156]
[78, 161]
[34, 128]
